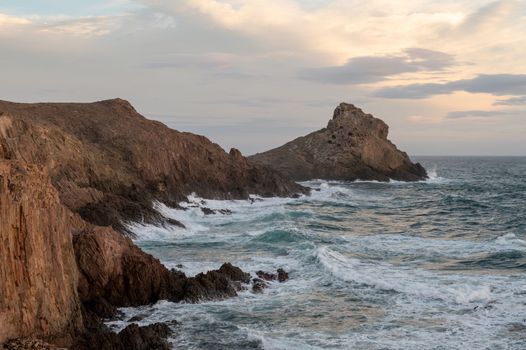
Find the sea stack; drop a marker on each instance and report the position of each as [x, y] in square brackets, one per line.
[353, 146]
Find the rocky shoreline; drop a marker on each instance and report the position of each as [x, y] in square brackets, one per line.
[73, 174]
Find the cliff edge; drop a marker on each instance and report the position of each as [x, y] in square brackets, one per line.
[109, 163]
[353, 146]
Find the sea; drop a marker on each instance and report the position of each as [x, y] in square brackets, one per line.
[435, 264]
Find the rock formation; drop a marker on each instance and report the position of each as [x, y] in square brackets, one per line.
[353, 146]
[38, 274]
[109, 163]
[70, 176]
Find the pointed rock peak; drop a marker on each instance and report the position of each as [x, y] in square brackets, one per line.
[346, 109]
[347, 117]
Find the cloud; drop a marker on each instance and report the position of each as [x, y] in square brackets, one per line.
[495, 84]
[370, 69]
[478, 114]
[6, 20]
[512, 101]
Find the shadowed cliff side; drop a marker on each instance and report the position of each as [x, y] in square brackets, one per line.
[353, 146]
[109, 163]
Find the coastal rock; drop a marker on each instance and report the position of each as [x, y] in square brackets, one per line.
[133, 337]
[113, 271]
[38, 274]
[29, 343]
[281, 275]
[110, 164]
[353, 146]
[258, 285]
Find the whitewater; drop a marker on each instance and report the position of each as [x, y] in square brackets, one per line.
[436, 264]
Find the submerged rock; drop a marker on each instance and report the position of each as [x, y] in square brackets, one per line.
[258, 285]
[353, 146]
[281, 275]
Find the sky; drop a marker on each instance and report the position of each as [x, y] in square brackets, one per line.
[448, 77]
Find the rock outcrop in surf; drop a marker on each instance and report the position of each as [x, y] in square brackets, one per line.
[353, 146]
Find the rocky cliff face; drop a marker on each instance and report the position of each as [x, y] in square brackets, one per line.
[38, 274]
[109, 163]
[68, 172]
[353, 146]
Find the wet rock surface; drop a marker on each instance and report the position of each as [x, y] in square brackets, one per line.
[133, 337]
[280, 275]
[353, 146]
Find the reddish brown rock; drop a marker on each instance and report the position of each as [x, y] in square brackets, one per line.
[38, 274]
[109, 163]
[353, 146]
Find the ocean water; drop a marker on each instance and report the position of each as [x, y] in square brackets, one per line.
[437, 264]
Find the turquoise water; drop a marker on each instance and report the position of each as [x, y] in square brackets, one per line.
[438, 264]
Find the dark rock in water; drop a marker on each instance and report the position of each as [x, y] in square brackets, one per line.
[115, 272]
[267, 276]
[353, 146]
[217, 284]
[207, 211]
[258, 285]
[133, 337]
[174, 222]
[282, 275]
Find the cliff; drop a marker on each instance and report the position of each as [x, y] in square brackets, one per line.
[70, 175]
[109, 163]
[353, 146]
[38, 274]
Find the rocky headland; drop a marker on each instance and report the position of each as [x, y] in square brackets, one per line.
[71, 176]
[353, 146]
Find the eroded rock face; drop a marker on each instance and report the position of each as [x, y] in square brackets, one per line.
[353, 146]
[38, 274]
[121, 274]
[109, 163]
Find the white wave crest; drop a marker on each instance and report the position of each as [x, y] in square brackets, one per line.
[414, 281]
